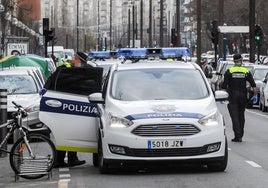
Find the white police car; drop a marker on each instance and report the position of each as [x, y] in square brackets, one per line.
[148, 112]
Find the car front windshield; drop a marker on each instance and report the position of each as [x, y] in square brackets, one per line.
[158, 84]
[18, 84]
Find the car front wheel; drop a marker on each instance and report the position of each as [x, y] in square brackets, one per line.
[221, 165]
[264, 108]
[95, 159]
[103, 166]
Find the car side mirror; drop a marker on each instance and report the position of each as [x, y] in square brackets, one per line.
[96, 98]
[221, 95]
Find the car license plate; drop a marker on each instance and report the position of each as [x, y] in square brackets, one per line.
[160, 144]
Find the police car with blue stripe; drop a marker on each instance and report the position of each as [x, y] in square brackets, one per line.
[145, 113]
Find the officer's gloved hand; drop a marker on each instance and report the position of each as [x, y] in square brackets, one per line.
[254, 99]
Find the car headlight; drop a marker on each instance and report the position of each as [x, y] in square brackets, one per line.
[32, 108]
[212, 119]
[119, 122]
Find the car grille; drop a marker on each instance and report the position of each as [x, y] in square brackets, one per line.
[166, 130]
[168, 152]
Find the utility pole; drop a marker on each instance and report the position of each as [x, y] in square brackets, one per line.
[111, 24]
[98, 25]
[150, 23]
[161, 23]
[252, 50]
[128, 30]
[178, 7]
[221, 15]
[141, 22]
[133, 25]
[198, 5]
[77, 25]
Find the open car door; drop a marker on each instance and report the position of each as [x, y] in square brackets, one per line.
[65, 108]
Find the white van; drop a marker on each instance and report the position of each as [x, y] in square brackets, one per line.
[69, 54]
[58, 51]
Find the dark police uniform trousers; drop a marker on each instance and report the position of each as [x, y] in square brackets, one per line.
[235, 79]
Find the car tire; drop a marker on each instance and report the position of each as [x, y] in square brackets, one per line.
[95, 159]
[264, 108]
[260, 106]
[219, 166]
[249, 105]
[103, 165]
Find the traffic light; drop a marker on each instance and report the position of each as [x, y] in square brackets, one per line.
[258, 34]
[49, 35]
[214, 32]
[45, 25]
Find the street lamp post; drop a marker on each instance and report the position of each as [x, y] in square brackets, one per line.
[133, 26]
[111, 15]
[224, 44]
[128, 36]
[98, 25]
[77, 31]
[150, 23]
[141, 23]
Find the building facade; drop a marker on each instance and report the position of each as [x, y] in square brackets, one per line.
[91, 25]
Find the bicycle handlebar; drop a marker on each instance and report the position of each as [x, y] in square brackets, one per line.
[24, 113]
[17, 105]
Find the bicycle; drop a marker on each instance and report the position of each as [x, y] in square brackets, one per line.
[33, 155]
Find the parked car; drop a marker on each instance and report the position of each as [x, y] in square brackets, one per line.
[218, 75]
[264, 95]
[23, 85]
[258, 72]
[146, 113]
[68, 54]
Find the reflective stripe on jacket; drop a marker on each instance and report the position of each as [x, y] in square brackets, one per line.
[238, 69]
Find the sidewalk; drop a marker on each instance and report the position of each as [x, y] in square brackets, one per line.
[6, 173]
[7, 178]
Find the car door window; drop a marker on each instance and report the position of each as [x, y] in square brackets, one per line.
[77, 80]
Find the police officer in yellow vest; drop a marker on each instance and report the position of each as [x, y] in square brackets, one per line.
[235, 83]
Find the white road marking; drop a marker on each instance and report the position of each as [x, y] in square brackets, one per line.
[64, 169]
[64, 180]
[65, 176]
[262, 115]
[63, 184]
[252, 163]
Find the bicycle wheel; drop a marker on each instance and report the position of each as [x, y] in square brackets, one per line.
[35, 167]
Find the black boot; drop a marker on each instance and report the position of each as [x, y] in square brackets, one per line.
[73, 159]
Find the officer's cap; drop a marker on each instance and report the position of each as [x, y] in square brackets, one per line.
[237, 57]
[82, 56]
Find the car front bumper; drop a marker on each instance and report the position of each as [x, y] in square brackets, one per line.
[121, 145]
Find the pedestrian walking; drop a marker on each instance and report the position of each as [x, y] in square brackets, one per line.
[235, 79]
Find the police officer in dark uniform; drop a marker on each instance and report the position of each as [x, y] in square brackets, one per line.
[235, 83]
